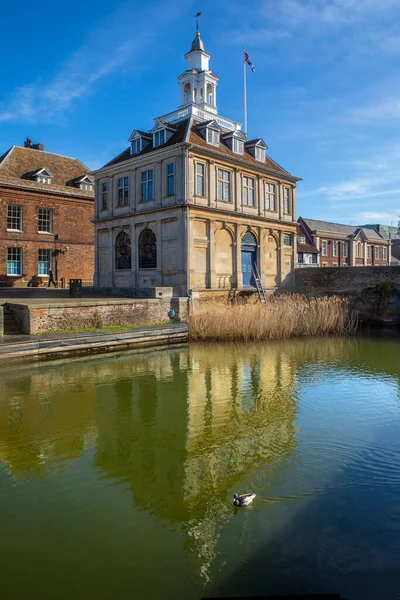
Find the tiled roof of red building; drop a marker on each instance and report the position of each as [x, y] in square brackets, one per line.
[338, 228]
[308, 246]
[18, 165]
[188, 131]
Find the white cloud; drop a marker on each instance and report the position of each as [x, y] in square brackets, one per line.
[379, 217]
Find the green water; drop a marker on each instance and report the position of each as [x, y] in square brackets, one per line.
[117, 473]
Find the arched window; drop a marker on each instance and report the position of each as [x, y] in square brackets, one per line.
[123, 254]
[187, 93]
[147, 250]
[210, 94]
[248, 239]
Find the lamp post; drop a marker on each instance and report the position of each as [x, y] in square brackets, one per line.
[56, 253]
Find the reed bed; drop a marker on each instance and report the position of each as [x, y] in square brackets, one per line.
[282, 317]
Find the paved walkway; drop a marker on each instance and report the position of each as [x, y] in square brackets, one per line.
[35, 347]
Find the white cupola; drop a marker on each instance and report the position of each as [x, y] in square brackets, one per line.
[198, 84]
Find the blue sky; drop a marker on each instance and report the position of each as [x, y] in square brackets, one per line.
[80, 76]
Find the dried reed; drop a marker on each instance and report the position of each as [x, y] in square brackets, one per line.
[281, 317]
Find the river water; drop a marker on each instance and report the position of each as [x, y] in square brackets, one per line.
[117, 472]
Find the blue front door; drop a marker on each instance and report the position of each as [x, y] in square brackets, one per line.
[249, 257]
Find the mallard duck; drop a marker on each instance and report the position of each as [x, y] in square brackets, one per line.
[243, 499]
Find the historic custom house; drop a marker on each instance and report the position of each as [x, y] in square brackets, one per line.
[193, 203]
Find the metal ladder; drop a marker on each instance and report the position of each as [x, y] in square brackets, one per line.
[260, 289]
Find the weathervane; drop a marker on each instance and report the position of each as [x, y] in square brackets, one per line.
[196, 16]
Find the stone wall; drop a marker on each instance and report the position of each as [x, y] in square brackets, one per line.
[337, 279]
[64, 316]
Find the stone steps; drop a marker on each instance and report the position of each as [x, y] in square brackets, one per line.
[10, 324]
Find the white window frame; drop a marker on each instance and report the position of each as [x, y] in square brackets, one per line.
[147, 185]
[12, 249]
[302, 239]
[384, 253]
[260, 154]
[237, 146]
[368, 251]
[12, 216]
[248, 191]
[171, 178]
[334, 249]
[270, 195]
[324, 248]
[48, 220]
[376, 252]
[200, 178]
[212, 137]
[47, 262]
[223, 185]
[344, 250]
[159, 138]
[123, 192]
[136, 146]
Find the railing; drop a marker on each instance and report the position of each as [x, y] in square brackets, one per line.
[305, 265]
[192, 109]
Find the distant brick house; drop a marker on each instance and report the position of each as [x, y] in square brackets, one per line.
[346, 245]
[46, 212]
[307, 252]
[395, 254]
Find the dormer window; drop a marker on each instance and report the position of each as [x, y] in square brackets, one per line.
[302, 239]
[213, 137]
[159, 138]
[42, 176]
[85, 183]
[257, 148]
[260, 154]
[238, 146]
[235, 140]
[136, 146]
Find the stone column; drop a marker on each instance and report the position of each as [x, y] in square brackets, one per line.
[96, 277]
[281, 256]
[158, 171]
[260, 257]
[238, 191]
[135, 255]
[132, 194]
[238, 257]
[351, 253]
[191, 266]
[212, 187]
[261, 198]
[159, 274]
[211, 255]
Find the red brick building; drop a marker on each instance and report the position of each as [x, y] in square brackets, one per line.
[346, 245]
[46, 212]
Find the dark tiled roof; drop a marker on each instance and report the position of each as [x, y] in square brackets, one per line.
[187, 130]
[176, 138]
[308, 246]
[18, 164]
[327, 227]
[197, 139]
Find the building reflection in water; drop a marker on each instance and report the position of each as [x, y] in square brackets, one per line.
[181, 429]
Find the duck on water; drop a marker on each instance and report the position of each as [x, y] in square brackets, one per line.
[243, 499]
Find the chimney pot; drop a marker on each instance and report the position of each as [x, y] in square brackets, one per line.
[28, 142]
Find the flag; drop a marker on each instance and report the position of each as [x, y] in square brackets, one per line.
[248, 61]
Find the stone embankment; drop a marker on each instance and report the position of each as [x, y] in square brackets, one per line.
[374, 292]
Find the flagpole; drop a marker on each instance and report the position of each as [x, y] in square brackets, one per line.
[244, 93]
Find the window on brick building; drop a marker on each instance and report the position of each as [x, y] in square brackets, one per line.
[344, 251]
[123, 251]
[147, 185]
[45, 224]
[123, 191]
[323, 248]
[368, 251]
[376, 252]
[44, 262]
[104, 196]
[334, 248]
[14, 262]
[14, 217]
[223, 185]
[384, 253]
[147, 247]
[248, 191]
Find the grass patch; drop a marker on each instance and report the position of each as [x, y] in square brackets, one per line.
[282, 317]
[105, 329]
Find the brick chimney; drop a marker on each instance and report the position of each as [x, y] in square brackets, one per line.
[28, 144]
